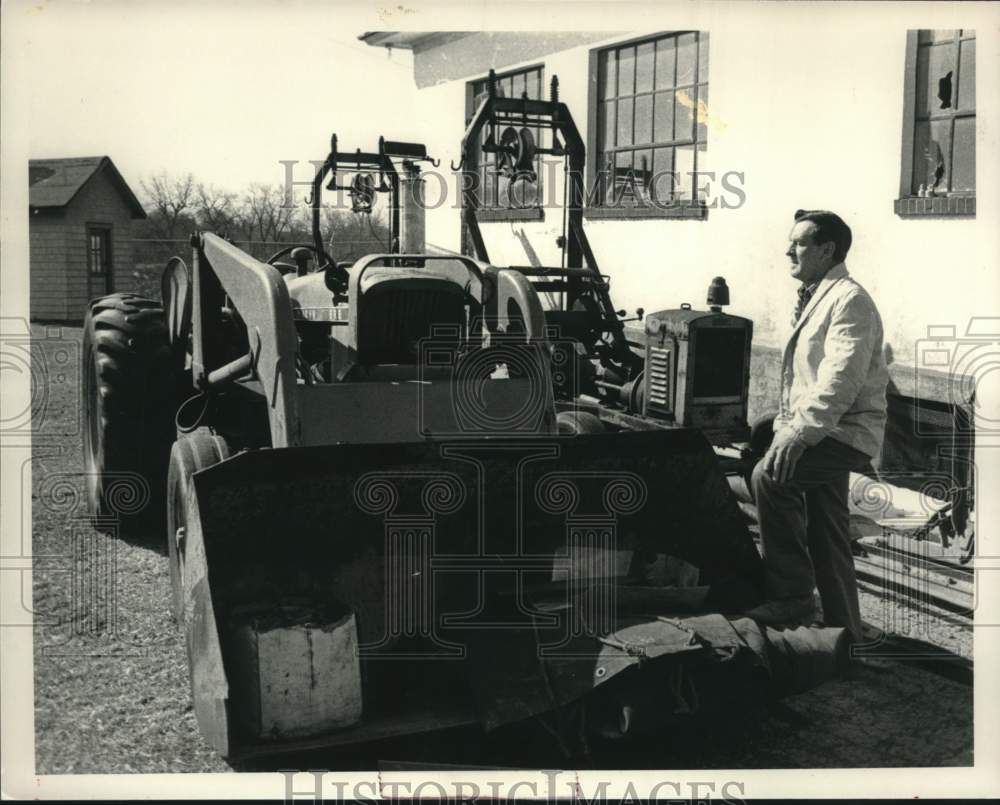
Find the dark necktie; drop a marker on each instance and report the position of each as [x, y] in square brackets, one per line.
[805, 294]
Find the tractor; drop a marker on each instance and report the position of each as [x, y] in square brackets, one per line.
[396, 500]
[688, 368]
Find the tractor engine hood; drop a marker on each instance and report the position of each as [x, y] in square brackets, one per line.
[312, 299]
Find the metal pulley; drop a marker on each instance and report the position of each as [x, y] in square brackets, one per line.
[362, 192]
[516, 153]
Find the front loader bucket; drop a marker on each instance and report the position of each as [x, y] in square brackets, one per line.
[399, 552]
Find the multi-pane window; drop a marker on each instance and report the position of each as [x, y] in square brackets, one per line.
[499, 191]
[98, 251]
[652, 119]
[944, 133]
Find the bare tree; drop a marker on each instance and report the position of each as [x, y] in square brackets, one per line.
[170, 199]
[263, 215]
[215, 209]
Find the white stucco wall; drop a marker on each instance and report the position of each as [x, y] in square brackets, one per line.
[808, 104]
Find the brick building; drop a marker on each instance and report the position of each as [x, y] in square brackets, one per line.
[81, 213]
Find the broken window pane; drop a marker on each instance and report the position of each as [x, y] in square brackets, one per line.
[644, 67]
[944, 148]
[967, 76]
[939, 155]
[935, 71]
[644, 119]
[932, 147]
[963, 167]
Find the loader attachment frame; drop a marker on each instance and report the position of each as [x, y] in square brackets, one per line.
[260, 296]
[388, 182]
[580, 269]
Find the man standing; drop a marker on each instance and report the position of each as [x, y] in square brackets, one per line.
[830, 422]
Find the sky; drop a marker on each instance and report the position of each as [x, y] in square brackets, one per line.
[128, 80]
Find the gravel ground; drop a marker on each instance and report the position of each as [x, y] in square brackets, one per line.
[111, 682]
[929, 624]
[111, 679]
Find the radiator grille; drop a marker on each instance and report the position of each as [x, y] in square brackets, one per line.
[658, 377]
[395, 321]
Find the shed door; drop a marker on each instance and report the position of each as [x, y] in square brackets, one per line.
[99, 260]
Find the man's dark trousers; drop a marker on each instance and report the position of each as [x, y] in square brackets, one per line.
[805, 530]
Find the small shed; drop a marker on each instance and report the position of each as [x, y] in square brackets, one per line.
[80, 228]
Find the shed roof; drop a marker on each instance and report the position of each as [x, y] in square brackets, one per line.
[54, 183]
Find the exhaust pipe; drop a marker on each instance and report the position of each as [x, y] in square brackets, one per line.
[413, 232]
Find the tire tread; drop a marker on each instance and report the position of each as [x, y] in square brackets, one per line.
[128, 360]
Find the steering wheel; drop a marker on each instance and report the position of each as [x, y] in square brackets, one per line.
[291, 248]
[336, 275]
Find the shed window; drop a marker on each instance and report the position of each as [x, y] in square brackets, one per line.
[650, 121]
[939, 127]
[99, 251]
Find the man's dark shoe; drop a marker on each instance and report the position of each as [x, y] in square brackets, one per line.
[798, 611]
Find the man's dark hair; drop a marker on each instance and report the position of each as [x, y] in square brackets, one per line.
[829, 226]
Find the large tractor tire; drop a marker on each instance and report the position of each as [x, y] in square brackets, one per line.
[190, 453]
[130, 399]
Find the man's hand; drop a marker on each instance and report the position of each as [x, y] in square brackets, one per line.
[782, 456]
